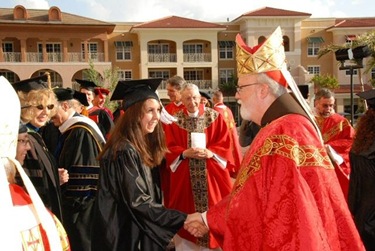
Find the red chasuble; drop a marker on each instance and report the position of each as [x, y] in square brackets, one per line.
[286, 196]
[338, 133]
[197, 185]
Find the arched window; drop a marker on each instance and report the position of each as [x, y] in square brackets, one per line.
[286, 43]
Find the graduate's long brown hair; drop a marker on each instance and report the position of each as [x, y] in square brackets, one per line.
[365, 132]
[151, 147]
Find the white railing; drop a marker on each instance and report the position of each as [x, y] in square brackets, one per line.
[162, 57]
[197, 57]
[12, 56]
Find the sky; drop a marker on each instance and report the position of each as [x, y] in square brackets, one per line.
[204, 10]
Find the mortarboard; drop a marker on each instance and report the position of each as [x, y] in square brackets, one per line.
[133, 91]
[86, 84]
[81, 97]
[63, 94]
[369, 96]
[36, 83]
[205, 94]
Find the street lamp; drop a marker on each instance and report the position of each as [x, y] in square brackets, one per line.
[355, 57]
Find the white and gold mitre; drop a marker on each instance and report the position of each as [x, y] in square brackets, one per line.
[269, 56]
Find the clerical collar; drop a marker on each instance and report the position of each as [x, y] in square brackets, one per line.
[178, 103]
[193, 114]
[32, 128]
[283, 105]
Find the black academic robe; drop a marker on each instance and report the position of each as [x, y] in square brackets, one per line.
[80, 146]
[127, 216]
[361, 197]
[102, 119]
[41, 167]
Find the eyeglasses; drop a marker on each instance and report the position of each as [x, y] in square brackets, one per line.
[40, 107]
[23, 142]
[239, 88]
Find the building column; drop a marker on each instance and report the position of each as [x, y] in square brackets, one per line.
[23, 50]
[1, 51]
[65, 51]
[106, 51]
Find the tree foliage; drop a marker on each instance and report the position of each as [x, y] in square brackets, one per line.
[325, 81]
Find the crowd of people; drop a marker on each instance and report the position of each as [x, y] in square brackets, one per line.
[148, 177]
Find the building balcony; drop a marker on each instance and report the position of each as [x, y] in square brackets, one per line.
[197, 57]
[37, 57]
[162, 57]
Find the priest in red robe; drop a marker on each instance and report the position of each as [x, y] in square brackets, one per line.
[199, 161]
[286, 195]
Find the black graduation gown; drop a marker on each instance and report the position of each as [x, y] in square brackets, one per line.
[41, 167]
[79, 150]
[127, 216]
[361, 196]
[103, 120]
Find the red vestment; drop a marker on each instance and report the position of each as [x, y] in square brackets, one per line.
[338, 133]
[286, 195]
[197, 185]
[235, 147]
[172, 108]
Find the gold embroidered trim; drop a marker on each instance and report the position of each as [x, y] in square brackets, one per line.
[285, 146]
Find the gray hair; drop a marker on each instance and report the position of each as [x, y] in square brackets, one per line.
[190, 86]
[176, 82]
[276, 89]
[324, 93]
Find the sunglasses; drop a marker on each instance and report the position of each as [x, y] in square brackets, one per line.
[40, 107]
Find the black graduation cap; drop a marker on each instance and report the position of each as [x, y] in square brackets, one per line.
[133, 91]
[86, 84]
[81, 97]
[369, 96]
[304, 89]
[36, 83]
[205, 94]
[63, 94]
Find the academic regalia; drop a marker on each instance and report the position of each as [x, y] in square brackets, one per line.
[196, 185]
[102, 118]
[80, 147]
[286, 196]
[41, 167]
[120, 225]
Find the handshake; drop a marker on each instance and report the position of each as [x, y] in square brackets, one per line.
[195, 225]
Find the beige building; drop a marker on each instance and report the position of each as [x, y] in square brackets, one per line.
[35, 41]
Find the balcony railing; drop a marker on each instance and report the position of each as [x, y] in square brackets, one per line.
[52, 57]
[202, 84]
[197, 57]
[162, 57]
[12, 56]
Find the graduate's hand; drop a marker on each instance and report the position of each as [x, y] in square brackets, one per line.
[63, 176]
[195, 226]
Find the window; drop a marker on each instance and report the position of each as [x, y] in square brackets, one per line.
[10, 76]
[313, 45]
[158, 48]
[193, 48]
[286, 43]
[123, 53]
[226, 49]
[158, 74]
[193, 75]
[355, 72]
[92, 50]
[373, 73]
[226, 75]
[7, 47]
[124, 74]
[313, 69]
[53, 52]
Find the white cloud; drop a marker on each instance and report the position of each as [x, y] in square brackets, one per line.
[32, 4]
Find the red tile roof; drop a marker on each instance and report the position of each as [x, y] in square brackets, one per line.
[174, 22]
[41, 17]
[269, 12]
[354, 22]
